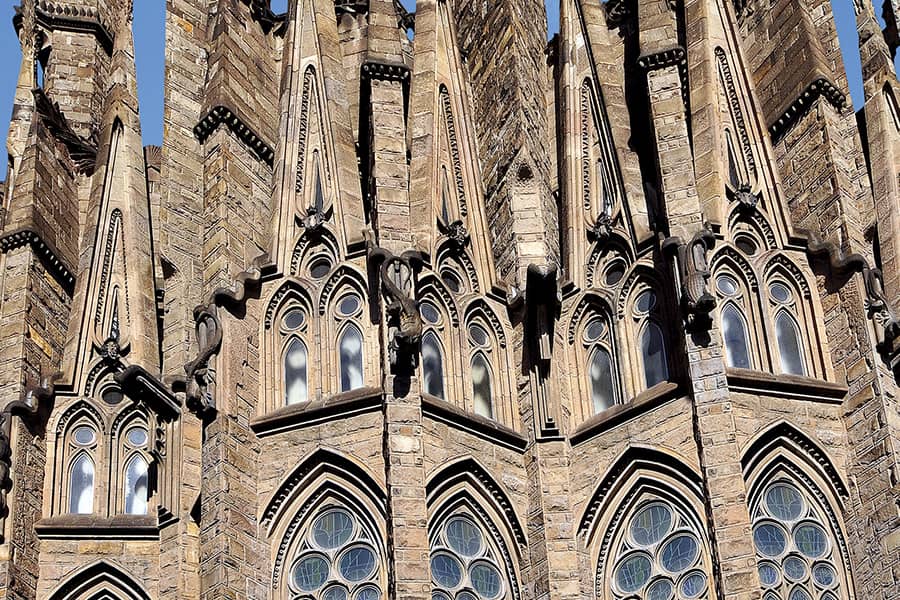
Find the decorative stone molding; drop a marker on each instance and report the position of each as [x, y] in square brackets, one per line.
[385, 71]
[675, 56]
[82, 152]
[49, 256]
[736, 110]
[488, 429]
[65, 16]
[223, 115]
[821, 87]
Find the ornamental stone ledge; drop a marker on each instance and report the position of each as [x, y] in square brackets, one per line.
[821, 87]
[44, 250]
[220, 115]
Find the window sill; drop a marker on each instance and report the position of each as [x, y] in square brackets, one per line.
[647, 400]
[794, 387]
[443, 411]
[127, 527]
[307, 414]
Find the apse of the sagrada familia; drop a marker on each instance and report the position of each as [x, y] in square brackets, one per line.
[426, 307]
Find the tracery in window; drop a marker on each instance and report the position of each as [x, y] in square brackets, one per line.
[735, 333]
[600, 364]
[787, 330]
[464, 565]
[336, 559]
[81, 485]
[796, 550]
[660, 555]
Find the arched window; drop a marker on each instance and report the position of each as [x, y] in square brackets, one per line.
[351, 355]
[296, 358]
[432, 365]
[660, 554]
[796, 548]
[482, 387]
[336, 559]
[787, 331]
[653, 352]
[601, 376]
[464, 566]
[734, 333]
[81, 483]
[135, 488]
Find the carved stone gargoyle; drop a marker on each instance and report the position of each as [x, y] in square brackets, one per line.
[456, 232]
[693, 274]
[397, 281]
[199, 383]
[744, 196]
[885, 322]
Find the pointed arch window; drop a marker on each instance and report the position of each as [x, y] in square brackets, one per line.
[796, 548]
[81, 485]
[660, 553]
[350, 348]
[296, 360]
[335, 557]
[653, 352]
[482, 386]
[433, 365]
[600, 367]
[464, 565]
[133, 442]
[735, 333]
[787, 330]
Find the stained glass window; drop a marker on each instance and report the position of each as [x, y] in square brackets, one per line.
[81, 486]
[432, 365]
[795, 552]
[136, 472]
[482, 387]
[653, 351]
[463, 565]
[351, 359]
[659, 557]
[336, 559]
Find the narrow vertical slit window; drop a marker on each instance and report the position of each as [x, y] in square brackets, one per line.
[653, 352]
[81, 486]
[296, 358]
[482, 387]
[351, 354]
[318, 200]
[445, 197]
[602, 388]
[136, 489]
[789, 348]
[734, 332]
[433, 365]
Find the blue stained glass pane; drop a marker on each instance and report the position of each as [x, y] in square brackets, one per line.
[370, 592]
[651, 524]
[784, 502]
[794, 568]
[633, 573]
[769, 539]
[310, 573]
[464, 537]
[788, 336]
[799, 593]
[81, 486]
[351, 359]
[680, 553]
[693, 584]
[768, 574]
[466, 596]
[295, 363]
[482, 387]
[811, 540]
[446, 571]
[486, 580]
[136, 486]
[602, 392]
[661, 589]
[734, 332]
[439, 596]
[333, 529]
[653, 350]
[433, 365]
[771, 596]
[357, 564]
[335, 593]
[824, 574]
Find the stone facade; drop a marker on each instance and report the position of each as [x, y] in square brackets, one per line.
[421, 306]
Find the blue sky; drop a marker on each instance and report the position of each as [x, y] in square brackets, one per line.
[149, 38]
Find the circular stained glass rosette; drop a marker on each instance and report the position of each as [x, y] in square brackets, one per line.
[446, 571]
[310, 573]
[798, 593]
[795, 568]
[661, 589]
[825, 575]
[333, 529]
[769, 539]
[357, 564]
[368, 592]
[633, 573]
[335, 592]
[651, 525]
[768, 574]
[811, 540]
[680, 553]
[464, 537]
[784, 502]
[485, 578]
[83, 436]
[693, 584]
